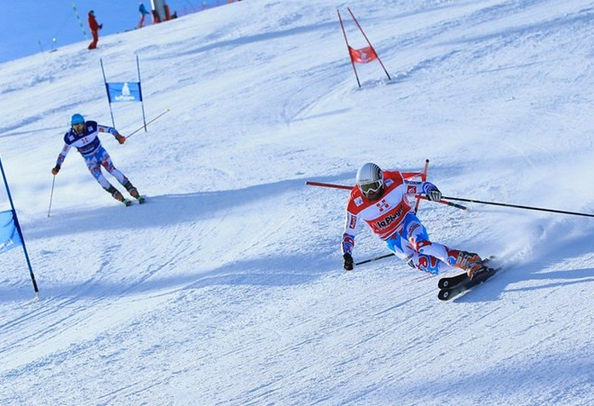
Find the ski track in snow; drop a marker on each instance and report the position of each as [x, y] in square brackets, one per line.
[226, 287]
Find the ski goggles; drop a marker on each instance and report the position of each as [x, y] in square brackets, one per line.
[373, 187]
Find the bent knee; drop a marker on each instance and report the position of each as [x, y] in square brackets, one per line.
[418, 245]
[426, 263]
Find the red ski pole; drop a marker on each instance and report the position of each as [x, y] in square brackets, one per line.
[335, 186]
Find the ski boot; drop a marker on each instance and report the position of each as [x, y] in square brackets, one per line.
[133, 191]
[118, 196]
[470, 262]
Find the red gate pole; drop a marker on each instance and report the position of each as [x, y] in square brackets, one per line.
[331, 185]
[348, 49]
[363, 32]
[424, 179]
[335, 186]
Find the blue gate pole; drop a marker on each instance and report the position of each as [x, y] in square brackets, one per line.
[18, 227]
[108, 95]
[140, 91]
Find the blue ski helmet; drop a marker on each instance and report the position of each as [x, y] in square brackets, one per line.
[77, 119]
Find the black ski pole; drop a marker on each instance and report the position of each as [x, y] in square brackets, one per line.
[374, 259]
[144, 126]
[516, 206]
[451, 204]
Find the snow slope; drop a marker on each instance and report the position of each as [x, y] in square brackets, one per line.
[227, 286]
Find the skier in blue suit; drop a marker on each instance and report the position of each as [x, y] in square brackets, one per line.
[84, 136]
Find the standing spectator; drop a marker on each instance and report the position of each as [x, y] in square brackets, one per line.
[95, 27]
[143, 12]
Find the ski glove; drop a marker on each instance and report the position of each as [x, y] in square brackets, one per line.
[56, 169]
[434, 194]
[348, 262]
[121, 139]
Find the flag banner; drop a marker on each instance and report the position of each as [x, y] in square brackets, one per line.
[363, 55]
[124, 92]
[413, 175]
[9, 235]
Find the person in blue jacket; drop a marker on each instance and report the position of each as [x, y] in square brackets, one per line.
[84, 136]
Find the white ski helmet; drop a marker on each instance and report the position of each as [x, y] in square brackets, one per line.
[370, 180]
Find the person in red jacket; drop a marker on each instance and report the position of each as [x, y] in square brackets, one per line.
[95, 27]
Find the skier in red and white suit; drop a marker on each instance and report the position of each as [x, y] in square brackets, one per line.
[380, 199]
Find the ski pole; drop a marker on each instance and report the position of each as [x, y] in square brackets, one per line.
[51, 196]
[335, 186]
[451, 204]
[519, 206]
[143, 126]
[374, 259]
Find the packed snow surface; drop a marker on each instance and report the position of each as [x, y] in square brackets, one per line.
[227, 286]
